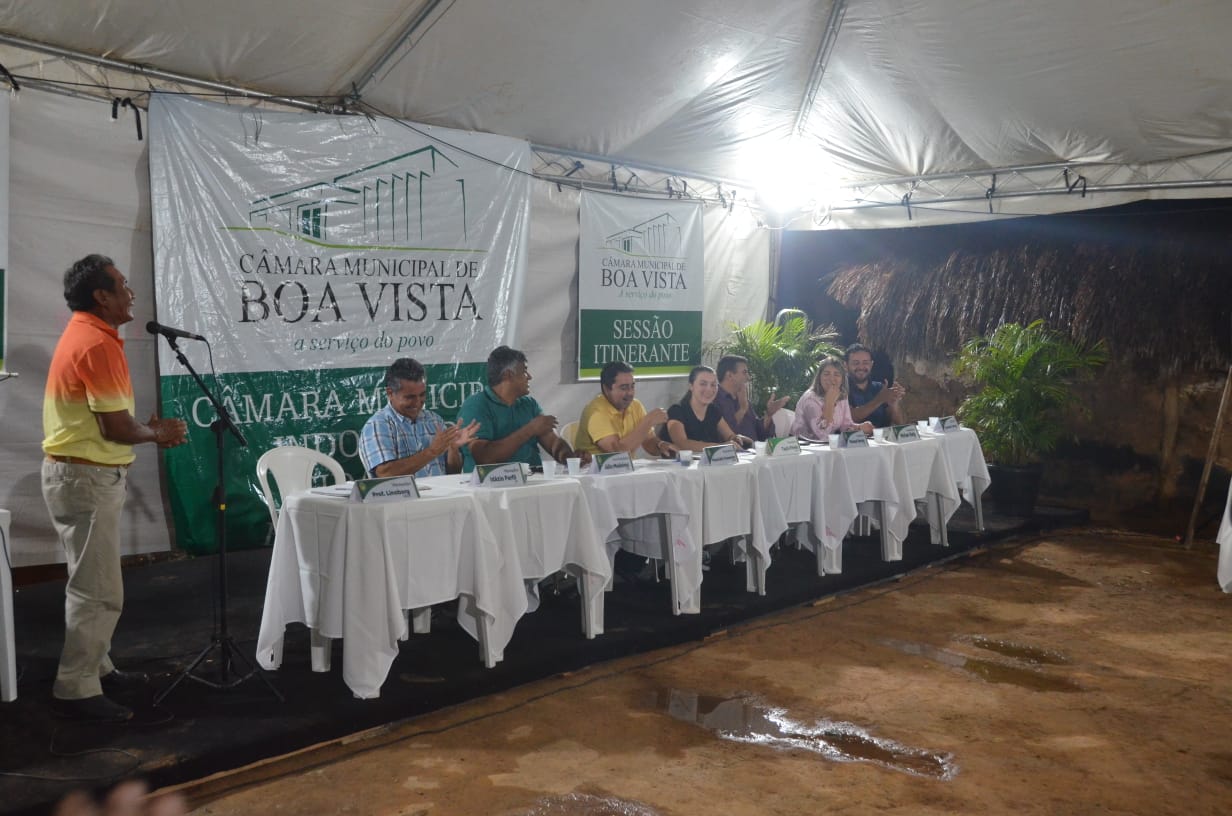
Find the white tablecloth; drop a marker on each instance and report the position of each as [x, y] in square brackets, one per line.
[1225, 546]
[930, 479]
[349, 570]
[551, 526]
[833, 508]
[962, 448]
[724, 502]
[876, 473]
[627, 509]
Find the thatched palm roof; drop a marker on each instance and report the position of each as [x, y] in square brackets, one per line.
[1156, 285]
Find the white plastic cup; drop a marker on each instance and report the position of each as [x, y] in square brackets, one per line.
[575, 465]
[879, 434]
[922, 424]
[549, 468]
[834, 440]
[932, 421]
[685, 457]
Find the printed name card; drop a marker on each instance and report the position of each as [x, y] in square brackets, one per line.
[853, 439]
[505, 474]
[605, 464]
[902, 433]
[945, 424]
[390, 488]
[718, 455]
[782, 446]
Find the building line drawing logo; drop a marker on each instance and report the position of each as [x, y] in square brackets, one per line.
[661, 237]
[397, 200]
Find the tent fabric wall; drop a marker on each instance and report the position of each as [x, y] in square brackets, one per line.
[894, 92]
[80, 184]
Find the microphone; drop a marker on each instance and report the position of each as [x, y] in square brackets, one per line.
[154, 327]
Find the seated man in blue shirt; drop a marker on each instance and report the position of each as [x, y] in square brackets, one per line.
[404, 436]
[512, 426]
[870, 399]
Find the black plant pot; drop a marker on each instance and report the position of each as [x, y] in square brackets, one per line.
[1014, 489]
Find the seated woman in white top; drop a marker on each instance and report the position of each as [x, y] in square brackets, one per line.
[823, 409]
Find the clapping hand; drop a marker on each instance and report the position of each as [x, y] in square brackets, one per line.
[895, 393]
[773, 405]
[464, 435]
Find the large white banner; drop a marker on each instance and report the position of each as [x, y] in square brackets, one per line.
[640, 275]
[312, 251]
[4, 228]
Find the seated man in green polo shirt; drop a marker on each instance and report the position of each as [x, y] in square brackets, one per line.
[617, 421]
[512, 426]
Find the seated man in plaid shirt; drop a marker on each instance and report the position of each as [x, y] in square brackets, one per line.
[404, 436]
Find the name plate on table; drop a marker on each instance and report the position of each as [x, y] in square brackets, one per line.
[605, 464]
[853, 439]
[390, 488]
[782, 446]
[945, 425]
[902, 433]
[504, 474]
[718, 455]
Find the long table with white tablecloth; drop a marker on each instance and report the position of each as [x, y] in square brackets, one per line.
[352, 571]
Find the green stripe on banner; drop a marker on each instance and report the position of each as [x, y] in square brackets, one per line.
[658, 343]
[322, 409]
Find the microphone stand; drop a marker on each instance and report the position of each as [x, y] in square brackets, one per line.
[229, 654]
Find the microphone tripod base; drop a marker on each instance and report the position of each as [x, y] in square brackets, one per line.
[233, 668]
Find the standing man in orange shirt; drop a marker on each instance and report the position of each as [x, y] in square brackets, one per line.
[88, 433]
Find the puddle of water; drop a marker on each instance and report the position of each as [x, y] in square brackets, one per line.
[1018, 651]
[572, 804]
[990, 670]
[743, 719]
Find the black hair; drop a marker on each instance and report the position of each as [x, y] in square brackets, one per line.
[607, 377]
[853, 348]
[727, 364]
[693, 376]
[83, 278]
[406, 369]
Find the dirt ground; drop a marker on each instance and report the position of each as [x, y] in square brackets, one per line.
[1085, 672]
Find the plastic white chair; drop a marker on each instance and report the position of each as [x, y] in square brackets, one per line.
[292, 467]
[568, 432]
[782, 420]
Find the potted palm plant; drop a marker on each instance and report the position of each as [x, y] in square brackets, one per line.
[1027, 378]
[782, 353]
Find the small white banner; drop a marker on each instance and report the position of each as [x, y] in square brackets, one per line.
[640, 270]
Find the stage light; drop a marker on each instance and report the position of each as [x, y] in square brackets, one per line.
[793, 175]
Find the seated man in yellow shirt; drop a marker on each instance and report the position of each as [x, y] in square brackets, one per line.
[617, 421]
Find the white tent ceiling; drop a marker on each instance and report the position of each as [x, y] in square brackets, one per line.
[915, 96]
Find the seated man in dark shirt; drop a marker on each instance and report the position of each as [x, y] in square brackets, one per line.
[871, 400]
[733, 400]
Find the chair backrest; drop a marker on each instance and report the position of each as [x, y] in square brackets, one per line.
[782, 420]
[292, 467]
[568, 432]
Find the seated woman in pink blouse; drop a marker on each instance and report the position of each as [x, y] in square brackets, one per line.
[823, 409]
